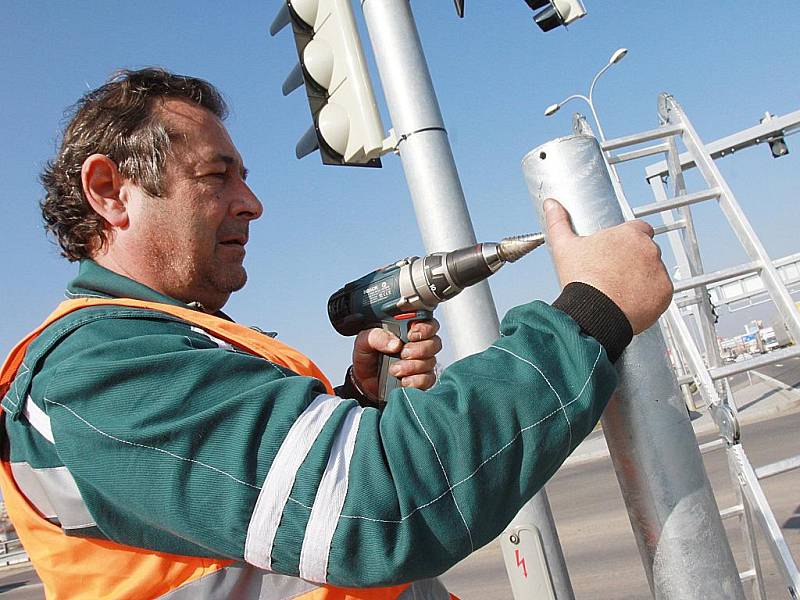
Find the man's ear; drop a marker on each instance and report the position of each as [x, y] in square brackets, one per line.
[102, 184]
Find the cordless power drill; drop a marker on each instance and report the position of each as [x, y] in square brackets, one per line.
[408, 290]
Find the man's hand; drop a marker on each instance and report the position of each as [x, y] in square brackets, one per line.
[623, 262]
[417, 357]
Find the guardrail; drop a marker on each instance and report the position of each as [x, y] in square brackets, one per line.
[12, 553]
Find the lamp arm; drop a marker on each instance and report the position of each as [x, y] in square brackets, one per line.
[573, 97]
[591, 104]
[596, 77]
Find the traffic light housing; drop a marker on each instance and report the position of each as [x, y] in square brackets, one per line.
[776, 142]
[347, 127]
[556, 12]
[778, 147]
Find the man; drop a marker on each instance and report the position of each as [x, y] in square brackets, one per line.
[158, 450]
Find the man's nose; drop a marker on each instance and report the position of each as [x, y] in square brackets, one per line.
[247, 205]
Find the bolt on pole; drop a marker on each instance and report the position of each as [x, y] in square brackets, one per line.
[441, 210]
[670, 503]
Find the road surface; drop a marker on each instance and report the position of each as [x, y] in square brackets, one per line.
[595, 533]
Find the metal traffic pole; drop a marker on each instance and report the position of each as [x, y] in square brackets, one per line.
[441, 211]
[670, 503]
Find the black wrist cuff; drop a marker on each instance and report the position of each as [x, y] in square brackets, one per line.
[597, 315]
[350, 391]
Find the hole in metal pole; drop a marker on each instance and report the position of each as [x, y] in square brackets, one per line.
[542, 155]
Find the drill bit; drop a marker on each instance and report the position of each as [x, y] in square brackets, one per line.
[513, 248]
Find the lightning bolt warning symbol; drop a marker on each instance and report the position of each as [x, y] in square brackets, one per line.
[521, 563]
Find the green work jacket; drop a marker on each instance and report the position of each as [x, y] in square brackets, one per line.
[165, 437]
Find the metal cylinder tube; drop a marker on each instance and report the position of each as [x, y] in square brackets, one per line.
[439, 203]
[669, 499]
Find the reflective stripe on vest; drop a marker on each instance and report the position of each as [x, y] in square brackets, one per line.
[86, 569]
[240, 581]
[54, 493]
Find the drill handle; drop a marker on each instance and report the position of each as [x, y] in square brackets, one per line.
[386, 382]
[399, 326]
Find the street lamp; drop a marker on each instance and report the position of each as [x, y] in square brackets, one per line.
[553, 108]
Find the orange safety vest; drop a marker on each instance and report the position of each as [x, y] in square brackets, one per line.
[78, 568]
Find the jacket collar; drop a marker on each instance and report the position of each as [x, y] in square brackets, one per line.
[94, 281]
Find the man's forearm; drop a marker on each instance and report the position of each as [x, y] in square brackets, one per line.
[440, 473]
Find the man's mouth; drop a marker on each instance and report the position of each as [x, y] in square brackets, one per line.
[234, 246]
[234, 241]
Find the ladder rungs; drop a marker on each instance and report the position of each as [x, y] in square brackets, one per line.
[688, 301]
[711, 446]
[680, 224]
[748, 575]
[754, 363]
[776, 468]
[681, 285]
[634, 154]
[737, 510]
[677, 202]
[641, 138]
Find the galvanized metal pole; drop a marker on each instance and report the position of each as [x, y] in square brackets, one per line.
[671, 505]
[441, 210]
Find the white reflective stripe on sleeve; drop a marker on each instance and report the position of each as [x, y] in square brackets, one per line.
[53, 490]
[280, 479]
[328, 502]
[38, 419]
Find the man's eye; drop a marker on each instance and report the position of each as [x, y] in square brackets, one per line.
[215, 175]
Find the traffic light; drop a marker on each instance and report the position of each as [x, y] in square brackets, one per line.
[347, 127]
[556, 12]
[776, 142]
[778, 147]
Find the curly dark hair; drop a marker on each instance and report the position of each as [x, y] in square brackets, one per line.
[117, 120]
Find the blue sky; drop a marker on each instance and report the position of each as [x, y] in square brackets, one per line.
[494, 72]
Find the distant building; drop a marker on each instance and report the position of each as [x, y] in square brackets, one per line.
[757, 339]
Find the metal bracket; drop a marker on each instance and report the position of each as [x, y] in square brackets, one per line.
[665, 103]
[580, 126]
[727, 422]
[390, 143]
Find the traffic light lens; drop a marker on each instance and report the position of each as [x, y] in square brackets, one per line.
[334, 127]
[318, 61]
[306, 10]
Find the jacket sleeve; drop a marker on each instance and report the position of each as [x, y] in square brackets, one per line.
[181, 446]
[454, 464]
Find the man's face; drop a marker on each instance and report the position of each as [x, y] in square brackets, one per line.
[192, 238]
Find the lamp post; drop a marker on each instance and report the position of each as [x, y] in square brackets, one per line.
[553, 108]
